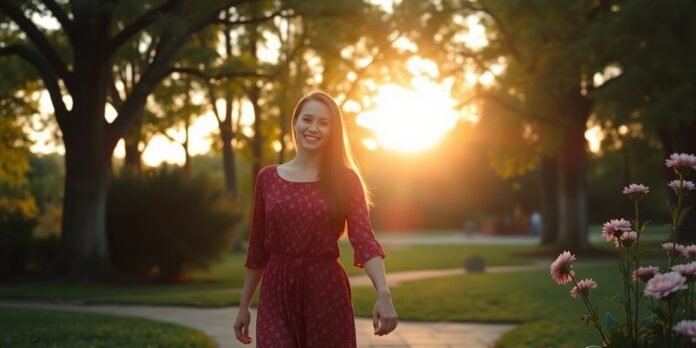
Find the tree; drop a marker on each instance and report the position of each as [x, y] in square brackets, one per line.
[76, 61]
[540, 57]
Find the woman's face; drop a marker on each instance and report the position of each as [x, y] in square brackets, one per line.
[312, 126]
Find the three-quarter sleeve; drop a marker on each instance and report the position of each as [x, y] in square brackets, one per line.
[360, 233]
[257, 255]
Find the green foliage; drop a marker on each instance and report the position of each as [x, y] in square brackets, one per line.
[18, 209]
[15, 242]
[46, 179]
[168, 221]
[613, 169]
[652, 43]
[47, 328]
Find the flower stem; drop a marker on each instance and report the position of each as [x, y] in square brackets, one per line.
[676, 216]
[670, 313]
[627, 295]
[637, 264]
[593, 314]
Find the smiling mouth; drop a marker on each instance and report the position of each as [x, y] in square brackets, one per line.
[311, 138]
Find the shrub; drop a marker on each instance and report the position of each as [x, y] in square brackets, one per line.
[15, 242]
[166, 221]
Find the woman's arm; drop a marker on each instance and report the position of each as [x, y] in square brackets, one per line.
[257, 257]
[384, 316]
[252, 277]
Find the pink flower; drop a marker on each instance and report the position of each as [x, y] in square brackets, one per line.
[562, 268]
[683, 184]
[645, 273]
[665, 285]
[583, 287]
[627, 239]
[687, 270]
[615, 228]
[687, 328]
[689, 251]
[635, 189]
[670, 247]
[681, 160]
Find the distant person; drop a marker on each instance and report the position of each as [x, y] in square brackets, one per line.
[300, 210]
[535, 223]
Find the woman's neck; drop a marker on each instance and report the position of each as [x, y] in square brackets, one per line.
[309, 161]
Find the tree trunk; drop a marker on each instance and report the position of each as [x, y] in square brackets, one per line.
[84, 242]
[549, 200]
[87, 159]
[572, 232]
[254, 94]
[283, 120]
[227, 130]
[228, 158]
[187, 153]
[133, 161]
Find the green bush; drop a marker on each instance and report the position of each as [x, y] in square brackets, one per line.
[15, 241]
[166, 221]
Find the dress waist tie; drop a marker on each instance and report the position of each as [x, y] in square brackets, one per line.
[294, 291]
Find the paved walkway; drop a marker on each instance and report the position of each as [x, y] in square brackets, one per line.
[455, 237]
[217, 323]
[396, 278]
[461, 238]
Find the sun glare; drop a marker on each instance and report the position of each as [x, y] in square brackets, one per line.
[594, 137]
[409, 120]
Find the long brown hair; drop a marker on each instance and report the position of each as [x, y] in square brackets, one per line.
[336, 159]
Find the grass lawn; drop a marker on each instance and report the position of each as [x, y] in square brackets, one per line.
[219, 286]
[547, 315]
[47, 328]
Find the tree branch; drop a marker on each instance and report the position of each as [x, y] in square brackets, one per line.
[507, 104]
[47, 75]
[279, 13]
[171, 138]
[205, 77]
[135, 100]
[61, 16]
[114, 94]
[38, 38]
[507, 40]
[211, 94]
[214, 17]
[158, 69]
[138, 25]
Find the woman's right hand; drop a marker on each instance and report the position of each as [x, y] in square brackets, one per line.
[241, 325]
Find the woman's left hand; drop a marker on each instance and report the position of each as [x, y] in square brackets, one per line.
[384, 317]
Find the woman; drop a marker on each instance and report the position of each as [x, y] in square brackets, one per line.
[300, 210]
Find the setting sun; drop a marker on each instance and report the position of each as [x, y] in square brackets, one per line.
[409, 120]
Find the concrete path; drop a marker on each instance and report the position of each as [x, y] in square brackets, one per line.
[217, 323]
[396, 278]
[455, 237]
[461, 238]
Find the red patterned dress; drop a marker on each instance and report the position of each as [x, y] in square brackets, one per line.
[305, 299]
